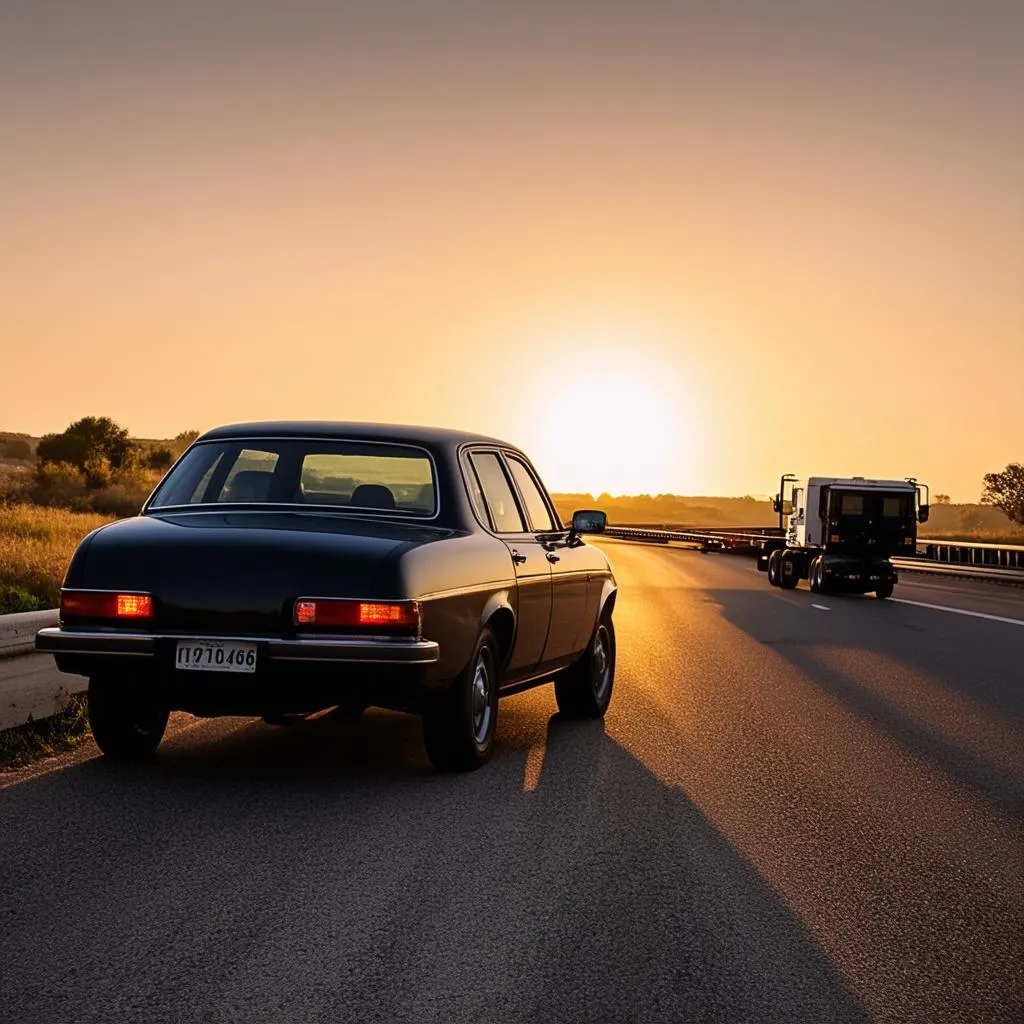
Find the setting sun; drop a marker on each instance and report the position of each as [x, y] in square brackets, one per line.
[631, 431]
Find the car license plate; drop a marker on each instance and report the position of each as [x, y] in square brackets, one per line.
[215, 656]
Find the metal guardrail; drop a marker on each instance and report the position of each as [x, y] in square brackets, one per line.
[980, 572]
[1006, 556]
[1003, 562]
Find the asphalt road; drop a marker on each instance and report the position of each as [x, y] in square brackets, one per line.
[792, 813]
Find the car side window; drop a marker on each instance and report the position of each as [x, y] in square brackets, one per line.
[505, 515]
[476, 494]
[536, 506]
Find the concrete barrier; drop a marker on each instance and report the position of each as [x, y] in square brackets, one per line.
[30, 685]
[18, 631]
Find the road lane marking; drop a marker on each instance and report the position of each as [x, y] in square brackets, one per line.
[821, 607]
[959, 611]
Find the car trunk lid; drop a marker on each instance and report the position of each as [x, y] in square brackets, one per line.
[241, 572]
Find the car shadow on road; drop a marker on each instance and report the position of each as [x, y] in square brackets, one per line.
[325, 863]
[864, 670]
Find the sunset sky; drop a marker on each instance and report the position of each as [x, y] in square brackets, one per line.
[663, 246]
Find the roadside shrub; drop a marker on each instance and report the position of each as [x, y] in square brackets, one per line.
[121, 500]
[126, 492]
[15, 484]
[59, 485]
[97, 472]
[158, 459]
[18, 599]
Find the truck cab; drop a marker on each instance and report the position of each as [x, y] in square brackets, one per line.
[839, 533]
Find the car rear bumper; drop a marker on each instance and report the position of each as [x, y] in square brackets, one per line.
[348, 650]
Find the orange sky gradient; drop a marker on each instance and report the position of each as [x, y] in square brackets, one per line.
[664, 247]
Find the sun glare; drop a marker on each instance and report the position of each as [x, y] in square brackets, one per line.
[618, 431]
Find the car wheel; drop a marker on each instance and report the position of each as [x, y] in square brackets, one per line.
[787, 580]
[126, 722]
[773, 567]
[459, 731]
[884, 590]
[349, 710]
[584, 689]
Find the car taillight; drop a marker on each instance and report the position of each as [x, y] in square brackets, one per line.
[401, 617]
[104, 604]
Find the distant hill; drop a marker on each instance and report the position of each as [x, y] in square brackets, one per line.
[968, 520]
[672, 509]
[17, 446]
[979, 522]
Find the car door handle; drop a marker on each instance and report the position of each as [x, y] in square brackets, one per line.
[552, 557]
[518, 558]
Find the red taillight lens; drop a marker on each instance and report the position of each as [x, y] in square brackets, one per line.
[104, 604]
[134, 606]
[362, 616]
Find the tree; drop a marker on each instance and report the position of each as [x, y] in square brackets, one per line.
[182, 441]
[1005, 491]
[941, 499]
[86, 440]
[159, 458]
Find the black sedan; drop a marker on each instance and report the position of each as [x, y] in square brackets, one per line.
[286, 568]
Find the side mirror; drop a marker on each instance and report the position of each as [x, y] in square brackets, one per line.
[776, 504]
[589, 521]
[922, 514]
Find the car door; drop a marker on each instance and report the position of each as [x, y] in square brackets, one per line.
[529, 559]
[571, 566]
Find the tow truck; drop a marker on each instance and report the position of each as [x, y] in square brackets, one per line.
[839, 533]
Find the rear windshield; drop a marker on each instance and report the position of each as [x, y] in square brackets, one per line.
[871, 504]
[340, 474]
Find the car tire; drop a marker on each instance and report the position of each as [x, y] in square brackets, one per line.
[126, 722]
[349, 711]
[884, 590]
[458, 732]
[584, 689]
[787, 581]
[773, 567]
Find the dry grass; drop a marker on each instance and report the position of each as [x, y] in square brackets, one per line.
[36, 545]
[1010, 537]
[46, 737]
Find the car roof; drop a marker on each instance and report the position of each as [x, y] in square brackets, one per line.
[434, 437]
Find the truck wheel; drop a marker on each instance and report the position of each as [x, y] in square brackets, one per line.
[584, 689]
[812, 576]
[127, 723]
[788, 579]
[823, 587]
[817, 574]
[458, 732]
[884, 590]
[773, 567]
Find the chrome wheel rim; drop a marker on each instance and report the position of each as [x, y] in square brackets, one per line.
[483, 709]
[602, 663]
